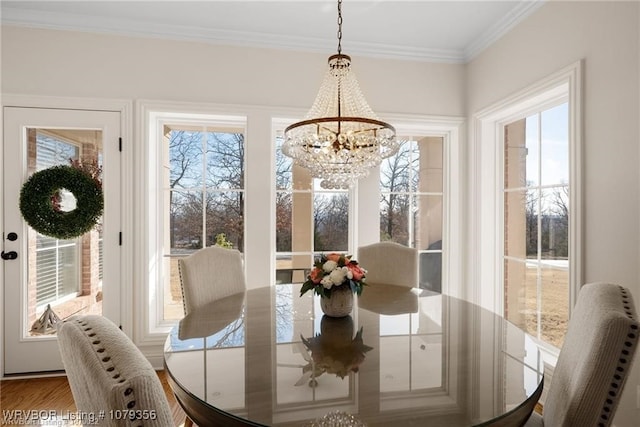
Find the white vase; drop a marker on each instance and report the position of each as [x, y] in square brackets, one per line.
[340, 303]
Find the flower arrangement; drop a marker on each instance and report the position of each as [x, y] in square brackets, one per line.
[334, 270]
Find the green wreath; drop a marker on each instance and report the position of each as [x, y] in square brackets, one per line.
[39, 207]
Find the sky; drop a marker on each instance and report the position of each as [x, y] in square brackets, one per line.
[549, 142]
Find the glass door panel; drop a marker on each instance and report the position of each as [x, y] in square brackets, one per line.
[62, 275]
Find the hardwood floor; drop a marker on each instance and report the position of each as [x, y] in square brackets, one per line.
[53, 394]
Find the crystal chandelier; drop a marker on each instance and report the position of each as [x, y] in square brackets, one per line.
[340, 138]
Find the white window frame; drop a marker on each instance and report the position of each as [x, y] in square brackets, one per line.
[156, 120]
[261, 126]
[368, 194]
[149, 334]
[225, 123]
[485, 260]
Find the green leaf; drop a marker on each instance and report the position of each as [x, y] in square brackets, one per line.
[306, 286]
[324, 293]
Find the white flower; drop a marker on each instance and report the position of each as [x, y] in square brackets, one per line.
[326, 282]
[329, 266]
[349, 273]
[337, 276]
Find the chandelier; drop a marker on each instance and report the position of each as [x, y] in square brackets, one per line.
[340, 138]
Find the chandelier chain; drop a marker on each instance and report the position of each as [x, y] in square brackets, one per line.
[339, 27]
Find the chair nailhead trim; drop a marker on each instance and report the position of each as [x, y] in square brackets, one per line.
[115, 375]
[184, 303]
[625, 352]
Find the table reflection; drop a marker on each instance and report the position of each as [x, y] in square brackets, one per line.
[404, 355]
[335, 350]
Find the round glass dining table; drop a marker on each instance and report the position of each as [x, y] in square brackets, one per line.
[404, 357]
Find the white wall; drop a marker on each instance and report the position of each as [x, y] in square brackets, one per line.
[64, 63]
[606, 36]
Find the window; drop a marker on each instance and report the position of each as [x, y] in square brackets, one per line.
[411, 205]
[288, 218]
[519, 155]
[57, 271]
[536, 223]
[203, 195]
[66, 273]
[309, 220]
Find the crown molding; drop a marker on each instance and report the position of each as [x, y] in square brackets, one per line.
[502, 27]
[107, 25]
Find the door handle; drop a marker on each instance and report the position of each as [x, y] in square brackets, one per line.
[9, 255]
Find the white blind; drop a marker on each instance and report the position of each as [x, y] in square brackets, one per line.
[57, 268]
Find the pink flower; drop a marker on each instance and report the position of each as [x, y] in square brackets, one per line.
[316, 275]
[333, 257]
[356, 271]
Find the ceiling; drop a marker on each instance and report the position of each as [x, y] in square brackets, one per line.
[440, 31]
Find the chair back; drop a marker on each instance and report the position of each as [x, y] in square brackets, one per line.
[595, 358]
[106, 371]
[210, 274]
[389, 263]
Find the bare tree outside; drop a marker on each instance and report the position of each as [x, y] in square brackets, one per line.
[558, 222]
[185, 172]
[331, 222]
[224, 178]
[284, 200]
[553, 219]
[206, 180]
[398, 178]
[531, 219]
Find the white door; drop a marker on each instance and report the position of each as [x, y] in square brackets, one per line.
[75, 276]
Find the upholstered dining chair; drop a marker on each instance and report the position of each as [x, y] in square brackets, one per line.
[210, 274]
[109, 376]
[594, 361]
[389, 263]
